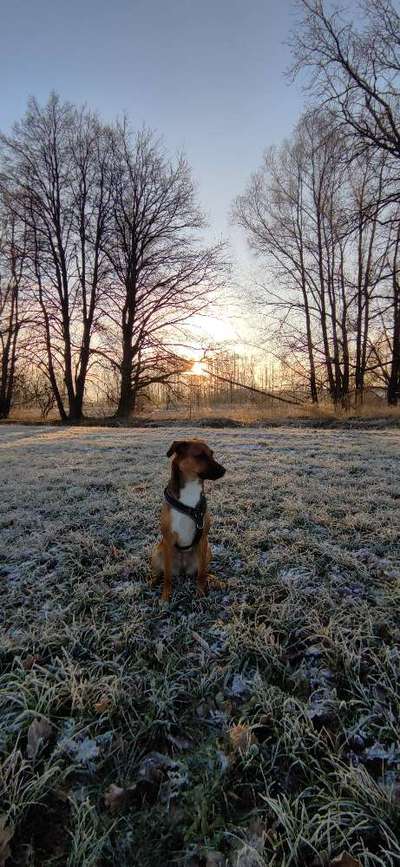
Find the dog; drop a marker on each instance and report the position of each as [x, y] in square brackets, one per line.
[185, 520]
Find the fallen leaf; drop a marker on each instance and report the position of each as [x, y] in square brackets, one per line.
[224, 760]
[202, 641]
[257, 834]
[29, 662]
[202, 709]
[239, 686]
[115, 798]
[240, 738]
[38, 734]
[176, 814]
[6, 834]
[154, 765]
[215, 859]
[103, 704]
[345, 860]
[115, 552]
[246, 857]
[179, 743]
[82, 751]
[63, 792]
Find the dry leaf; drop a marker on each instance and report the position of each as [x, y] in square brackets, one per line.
[257, 834]
[202, 641]
[154, 767]
[345, 860]
[29, 662]
[115, 798]
[246, 857]
[6, 834]
[240, 738]
[38, 733]
[103, 704]
[215, 859]
[180, 743]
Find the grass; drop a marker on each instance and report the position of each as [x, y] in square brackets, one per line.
[257, 726]
[259, 412]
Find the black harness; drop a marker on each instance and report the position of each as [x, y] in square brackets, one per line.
[196, 513]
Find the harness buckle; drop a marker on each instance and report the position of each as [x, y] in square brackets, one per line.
[199, 521]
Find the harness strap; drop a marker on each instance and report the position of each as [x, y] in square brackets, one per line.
[196, 513]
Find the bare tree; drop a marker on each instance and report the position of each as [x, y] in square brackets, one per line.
[272, 214]
[314, 220]
[12, 261]
[56, 166]
[386, 350]
[289, 213]
[370, 246]
[162, 275]
[355, 70]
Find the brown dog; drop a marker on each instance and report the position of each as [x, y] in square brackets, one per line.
[185, 520]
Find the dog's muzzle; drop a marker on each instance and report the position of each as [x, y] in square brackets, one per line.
[213, 472]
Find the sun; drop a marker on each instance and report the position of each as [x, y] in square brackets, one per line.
[197, 369]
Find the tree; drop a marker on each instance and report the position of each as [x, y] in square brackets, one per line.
[356, 73]
[161, 275]
[387, 349]
[12, 261]
[272, 213]
[55, 168]
[315, 223]
[289, 213]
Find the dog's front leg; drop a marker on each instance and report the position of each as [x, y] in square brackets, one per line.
[203, 561]
[167, 582]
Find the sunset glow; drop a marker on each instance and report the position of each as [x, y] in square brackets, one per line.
[197, 369]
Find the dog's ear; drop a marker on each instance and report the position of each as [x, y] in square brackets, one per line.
[177, 447]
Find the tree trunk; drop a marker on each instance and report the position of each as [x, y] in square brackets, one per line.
[393, 389]
[359, 372]
[75, 412]
[76, 403]
[310, 348]
[126, 403]
[5, 406]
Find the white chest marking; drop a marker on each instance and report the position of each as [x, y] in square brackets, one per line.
[182, 524]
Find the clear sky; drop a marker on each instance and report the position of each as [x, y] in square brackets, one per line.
[206, 74]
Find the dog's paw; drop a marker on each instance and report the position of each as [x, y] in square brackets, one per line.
[164, 601]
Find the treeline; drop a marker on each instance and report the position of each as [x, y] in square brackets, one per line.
[101, 259]
[219, 386]
[102, 264]
[323, 211]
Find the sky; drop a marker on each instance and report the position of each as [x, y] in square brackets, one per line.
[208, 75]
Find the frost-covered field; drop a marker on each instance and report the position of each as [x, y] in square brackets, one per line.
[257, 726]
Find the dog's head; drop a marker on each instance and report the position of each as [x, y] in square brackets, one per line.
[194, 459]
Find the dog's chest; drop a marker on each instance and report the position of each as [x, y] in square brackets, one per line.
[182, 525]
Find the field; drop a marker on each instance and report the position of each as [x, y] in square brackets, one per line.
[257, 726]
